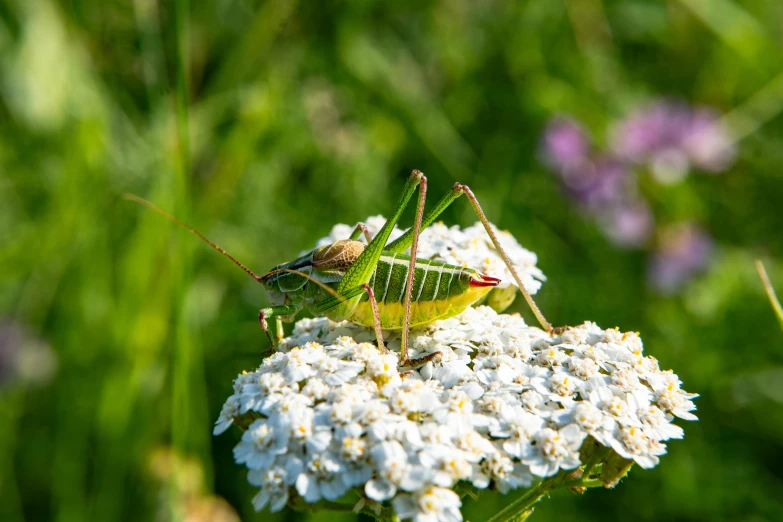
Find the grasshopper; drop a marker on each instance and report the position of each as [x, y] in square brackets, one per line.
[377, 285]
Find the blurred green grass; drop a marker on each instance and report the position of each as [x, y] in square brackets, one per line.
[264, 123]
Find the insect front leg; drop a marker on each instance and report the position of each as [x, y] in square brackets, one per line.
[277, 312]
[360, 229]
[279, 329]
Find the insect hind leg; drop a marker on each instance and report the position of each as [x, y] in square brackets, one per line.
[376, 317]
[464, 189]
[416, 229]
[406, 241]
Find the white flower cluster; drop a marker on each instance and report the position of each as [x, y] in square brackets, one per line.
[504, 404]
[469, 247]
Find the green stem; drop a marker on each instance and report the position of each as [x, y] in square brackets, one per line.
[386, 514]
[598, 455]
[583, 483]
[524, 502]
[773, 298]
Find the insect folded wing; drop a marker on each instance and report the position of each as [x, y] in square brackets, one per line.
[331, 262]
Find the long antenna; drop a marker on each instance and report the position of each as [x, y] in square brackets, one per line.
[152, 206]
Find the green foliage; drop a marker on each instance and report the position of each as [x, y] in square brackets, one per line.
[263, 123]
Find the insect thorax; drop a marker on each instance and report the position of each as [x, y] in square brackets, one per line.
[297, 282]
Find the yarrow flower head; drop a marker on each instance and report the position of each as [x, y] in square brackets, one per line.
[506, 406]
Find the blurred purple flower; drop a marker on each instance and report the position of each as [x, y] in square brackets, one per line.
[23, 358]
[598, 183]
[684, 251]
[670, 137]
[708, 142]
[650, 130]
[629, 225]
[565, 144]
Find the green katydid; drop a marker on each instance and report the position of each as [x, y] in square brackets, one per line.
[377, 285]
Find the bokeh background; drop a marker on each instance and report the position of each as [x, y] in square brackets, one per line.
[263, 123]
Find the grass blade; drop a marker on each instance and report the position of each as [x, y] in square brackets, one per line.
[773, 298]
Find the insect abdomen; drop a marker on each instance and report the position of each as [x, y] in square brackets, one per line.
[439, 291]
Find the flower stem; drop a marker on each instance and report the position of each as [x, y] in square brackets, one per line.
[523, 503]
[522, 506]
[599, 453]
[583, 483]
